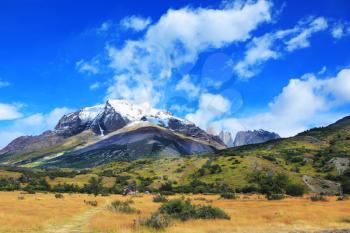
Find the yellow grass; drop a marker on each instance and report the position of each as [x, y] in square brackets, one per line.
[35, 212]
[248, 214]
[39, 212]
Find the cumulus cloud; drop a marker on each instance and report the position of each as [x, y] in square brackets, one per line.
[9, 111]
[274, 45]
[305, 102]
[187, 86]
[4, 83]
[32, 125]
[210, 108]
[177, 39]
[135, 23]
[258, 51]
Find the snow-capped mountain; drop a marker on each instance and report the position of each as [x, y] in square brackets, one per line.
[112, 131]
[116, 114]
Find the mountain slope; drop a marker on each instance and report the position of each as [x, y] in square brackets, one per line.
[318, 159]
[95, 128]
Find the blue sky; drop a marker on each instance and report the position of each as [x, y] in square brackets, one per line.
[225, 65]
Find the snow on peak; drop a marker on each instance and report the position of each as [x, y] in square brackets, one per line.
[90, 113]
[136, 112]
[130, 111]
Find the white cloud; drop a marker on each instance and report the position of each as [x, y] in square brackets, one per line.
[210, 108]
[275, 44]
[180, 108]
[259, 51]
[139, 89]
[95, 85]
[104, 27]
[88, 67]
[135, 23]
[323, 70]
[187, 86]
[9, 111]
[305, 102]
[177, 39]
[4, 83]
[338, 31]
[32, 125]
[302, 40]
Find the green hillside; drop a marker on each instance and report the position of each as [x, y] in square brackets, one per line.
[317, 159]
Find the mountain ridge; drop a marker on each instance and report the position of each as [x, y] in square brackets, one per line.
[93, 124]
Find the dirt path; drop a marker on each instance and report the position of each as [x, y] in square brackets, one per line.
[78, 223]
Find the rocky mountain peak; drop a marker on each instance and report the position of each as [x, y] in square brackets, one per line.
[226, 137]
[253, 137]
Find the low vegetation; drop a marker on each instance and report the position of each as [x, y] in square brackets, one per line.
[122, 207]
[159, 198]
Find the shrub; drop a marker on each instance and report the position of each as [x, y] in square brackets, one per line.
[274, 196]
[295, 190]
[209, 212]
[343, 198]
[58, 195]
[94, 186]
[157, 221]
[179, 209]
[29, 189]
[318, 197]
[92, 203]
[159, 198]
[228, 195]
[184, 210]
[121, 207]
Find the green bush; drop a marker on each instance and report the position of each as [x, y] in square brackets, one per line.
[159, 198]
[92, 203]
[295, 190]
[58, 196]
[184, 210]
[157, 221]
[343, 198]
[274, 196]
[228, 195]
[318, 197]
[209, 212]
[121, 207]
[179, 209]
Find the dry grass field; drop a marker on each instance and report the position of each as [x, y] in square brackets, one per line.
[45, 213]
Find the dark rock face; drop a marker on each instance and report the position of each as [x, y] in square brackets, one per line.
[253, 137]
[146, 141]
[108, 121]
[192, 130]
[70, 125]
